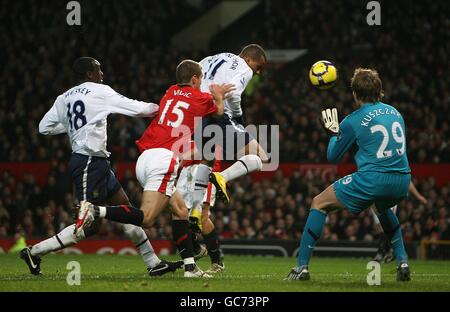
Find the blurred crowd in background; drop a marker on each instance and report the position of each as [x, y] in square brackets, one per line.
[132, 40]
[274, 208]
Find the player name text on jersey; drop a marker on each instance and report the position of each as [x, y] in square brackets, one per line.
[83, 91]
[181, 93]
[377, 112]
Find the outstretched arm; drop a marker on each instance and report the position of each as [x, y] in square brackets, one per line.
[120, 104]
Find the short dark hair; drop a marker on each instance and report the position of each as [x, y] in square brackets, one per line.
[366, 84]
[82, 65]
[254, 51]
[186, 69]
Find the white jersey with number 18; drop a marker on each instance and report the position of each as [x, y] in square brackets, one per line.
[82, 113]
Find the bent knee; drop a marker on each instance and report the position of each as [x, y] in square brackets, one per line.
[147, 223]
[261, 153]
[149, 218]
[319, 203]
[264, 158]
[316, 202]
[208, 226]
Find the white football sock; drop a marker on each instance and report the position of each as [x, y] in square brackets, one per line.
[201, 180]
[137, 235]
[243, 166]
[63, 239]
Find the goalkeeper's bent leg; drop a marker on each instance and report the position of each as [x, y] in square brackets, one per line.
[391, 227]
[313, 230]
[321, 204]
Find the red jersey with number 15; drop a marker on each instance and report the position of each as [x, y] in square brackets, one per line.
[174, 124]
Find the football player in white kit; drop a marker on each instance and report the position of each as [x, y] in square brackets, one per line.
[82, 113]
[237, 70]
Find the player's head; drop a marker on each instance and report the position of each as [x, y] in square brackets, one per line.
[87, 69]
[190, 73]
[255, 57]
[366, 86]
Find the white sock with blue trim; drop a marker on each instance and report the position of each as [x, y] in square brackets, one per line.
[137, 235]
[243, 166]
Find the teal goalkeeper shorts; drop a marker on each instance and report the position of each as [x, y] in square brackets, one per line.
[358, 191]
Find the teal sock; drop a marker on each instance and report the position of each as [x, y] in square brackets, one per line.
[391, 227]
[313, 230]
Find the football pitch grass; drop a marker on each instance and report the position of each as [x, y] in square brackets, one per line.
[243, 273]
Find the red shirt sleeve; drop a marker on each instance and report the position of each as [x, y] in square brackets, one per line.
[207, 105]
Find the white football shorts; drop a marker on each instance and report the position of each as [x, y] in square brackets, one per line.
[156, 170]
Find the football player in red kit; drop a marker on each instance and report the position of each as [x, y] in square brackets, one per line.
[156, 169]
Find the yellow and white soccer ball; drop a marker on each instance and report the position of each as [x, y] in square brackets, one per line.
[323, 75]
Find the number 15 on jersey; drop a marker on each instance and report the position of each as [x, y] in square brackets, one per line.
[174, 108]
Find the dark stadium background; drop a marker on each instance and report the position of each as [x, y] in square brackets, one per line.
[134, 41]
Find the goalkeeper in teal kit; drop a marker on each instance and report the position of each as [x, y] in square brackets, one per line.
[377, 131]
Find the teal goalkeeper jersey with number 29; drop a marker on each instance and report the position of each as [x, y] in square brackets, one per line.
[378, 131]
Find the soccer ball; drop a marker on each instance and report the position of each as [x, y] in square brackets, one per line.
[323, 75]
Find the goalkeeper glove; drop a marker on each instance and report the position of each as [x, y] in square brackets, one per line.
[330, 121]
